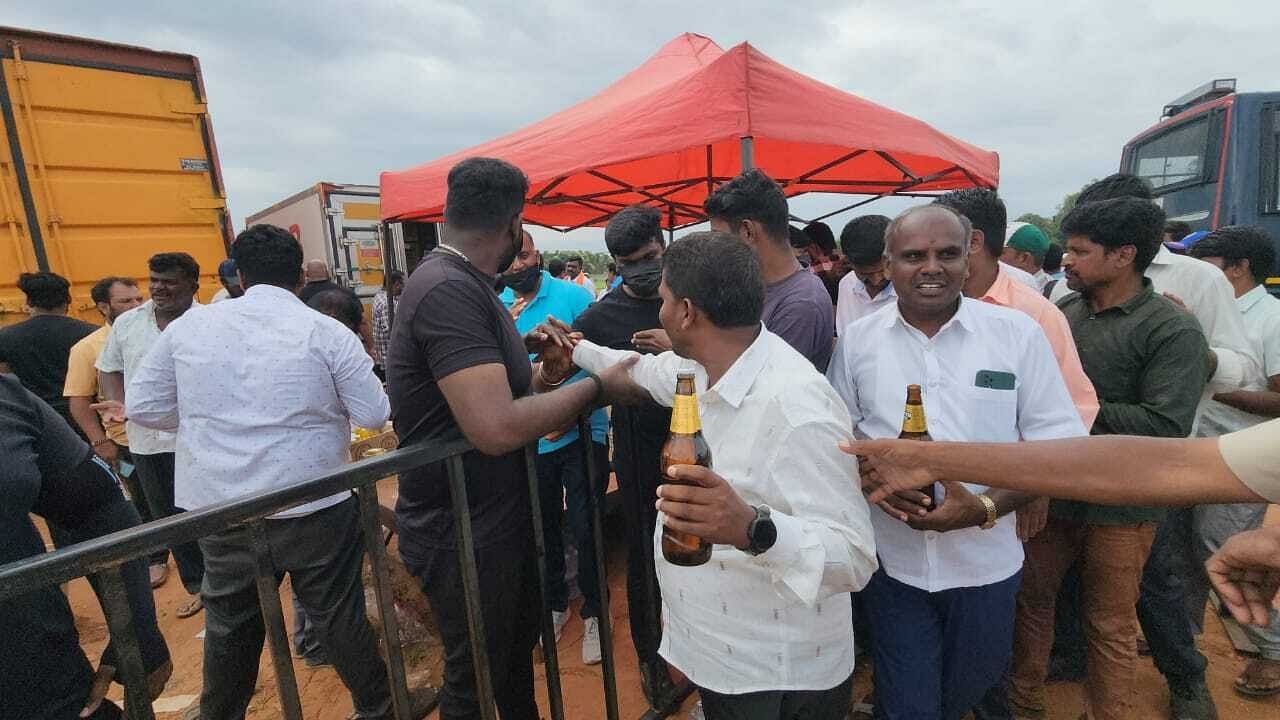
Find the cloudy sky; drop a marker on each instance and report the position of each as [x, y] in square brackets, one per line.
[320, 90]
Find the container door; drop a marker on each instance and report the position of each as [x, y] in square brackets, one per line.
[118, 167]
[16, 250]
[359, 263]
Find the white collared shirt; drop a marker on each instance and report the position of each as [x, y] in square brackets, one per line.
[132, 335]
[263, 392]
[872, 375]
[1208, 295]
[854, 302]
[780, 620]
[1262, 323]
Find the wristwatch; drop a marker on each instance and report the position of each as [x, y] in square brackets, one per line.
[761, 533]
[992, 515]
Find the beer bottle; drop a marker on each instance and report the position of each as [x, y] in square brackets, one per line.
[914, 427]
[685, 446]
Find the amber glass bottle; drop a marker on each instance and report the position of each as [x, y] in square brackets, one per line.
[915, 427]
[685, 446]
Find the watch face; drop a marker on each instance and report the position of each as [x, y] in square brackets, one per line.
[766, 535]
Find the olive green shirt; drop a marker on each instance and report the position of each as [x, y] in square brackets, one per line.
[1148, 361]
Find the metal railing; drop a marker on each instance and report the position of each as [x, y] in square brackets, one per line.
[104, 556]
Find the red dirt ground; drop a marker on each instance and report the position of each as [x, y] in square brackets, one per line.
[324, 697]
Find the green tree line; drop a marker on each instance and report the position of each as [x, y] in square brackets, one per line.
[596, 264]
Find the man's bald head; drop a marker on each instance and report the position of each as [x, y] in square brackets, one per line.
[316, 271]
[930, 220]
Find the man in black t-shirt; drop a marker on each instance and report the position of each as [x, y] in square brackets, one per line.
[622, 320]
[456, 367]
[37, 350]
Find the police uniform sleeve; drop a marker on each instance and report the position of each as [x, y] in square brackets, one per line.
[1253, 454]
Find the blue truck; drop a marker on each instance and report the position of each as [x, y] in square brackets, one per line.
[1214, 159]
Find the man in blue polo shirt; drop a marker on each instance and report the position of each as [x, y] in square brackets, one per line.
[532, 295]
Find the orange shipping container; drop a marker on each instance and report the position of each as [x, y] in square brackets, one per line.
[106, 158]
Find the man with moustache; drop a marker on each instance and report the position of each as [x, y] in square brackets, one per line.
[174, 280]
[950, 565]
[1148, 362]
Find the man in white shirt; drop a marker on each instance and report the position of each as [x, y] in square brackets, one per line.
[263, 393]
[1246, 256]
[950, 570]
[867, 288]
[174, 280]
[762, 628]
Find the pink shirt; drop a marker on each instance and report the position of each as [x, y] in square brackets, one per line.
[1007, 292]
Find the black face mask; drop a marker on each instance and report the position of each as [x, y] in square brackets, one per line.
[522, 281]
[642, 276]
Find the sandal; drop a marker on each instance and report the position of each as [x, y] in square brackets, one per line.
[191, 608]
[1261, 678]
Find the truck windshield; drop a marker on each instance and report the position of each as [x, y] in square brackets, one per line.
[1175, 156]
[1271, 161]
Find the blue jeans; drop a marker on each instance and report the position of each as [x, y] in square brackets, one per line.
[1162, 602]
[562, 481]
[941, 651]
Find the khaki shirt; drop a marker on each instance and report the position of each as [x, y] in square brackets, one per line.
[1253, 454]
[82, 376]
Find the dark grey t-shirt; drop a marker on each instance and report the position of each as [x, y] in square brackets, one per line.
[798, 309]
[449, 318]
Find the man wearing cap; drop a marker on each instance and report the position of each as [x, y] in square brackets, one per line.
[1024, 248]
[231, 287]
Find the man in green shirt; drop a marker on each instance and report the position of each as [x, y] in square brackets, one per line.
[1148, 362]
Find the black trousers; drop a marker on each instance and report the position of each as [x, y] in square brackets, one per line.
[323, 553]
[155, 474]
[637, 458]
[830, 704]
[510, 606]
[137, 495]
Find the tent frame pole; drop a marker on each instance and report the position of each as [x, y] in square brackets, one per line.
[746, 152]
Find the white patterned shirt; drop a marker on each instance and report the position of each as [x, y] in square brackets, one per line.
[263, 392]
[882, 354]
[779, 620]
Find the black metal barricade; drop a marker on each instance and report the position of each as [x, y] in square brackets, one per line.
[103, 556]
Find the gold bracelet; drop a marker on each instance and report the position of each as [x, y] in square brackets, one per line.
[992, 514]
[542, 373]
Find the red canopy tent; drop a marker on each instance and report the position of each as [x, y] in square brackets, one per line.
[691, 117]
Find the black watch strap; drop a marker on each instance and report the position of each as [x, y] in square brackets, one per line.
[762, 533]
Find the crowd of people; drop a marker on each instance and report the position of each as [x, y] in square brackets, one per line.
[1038, 552]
